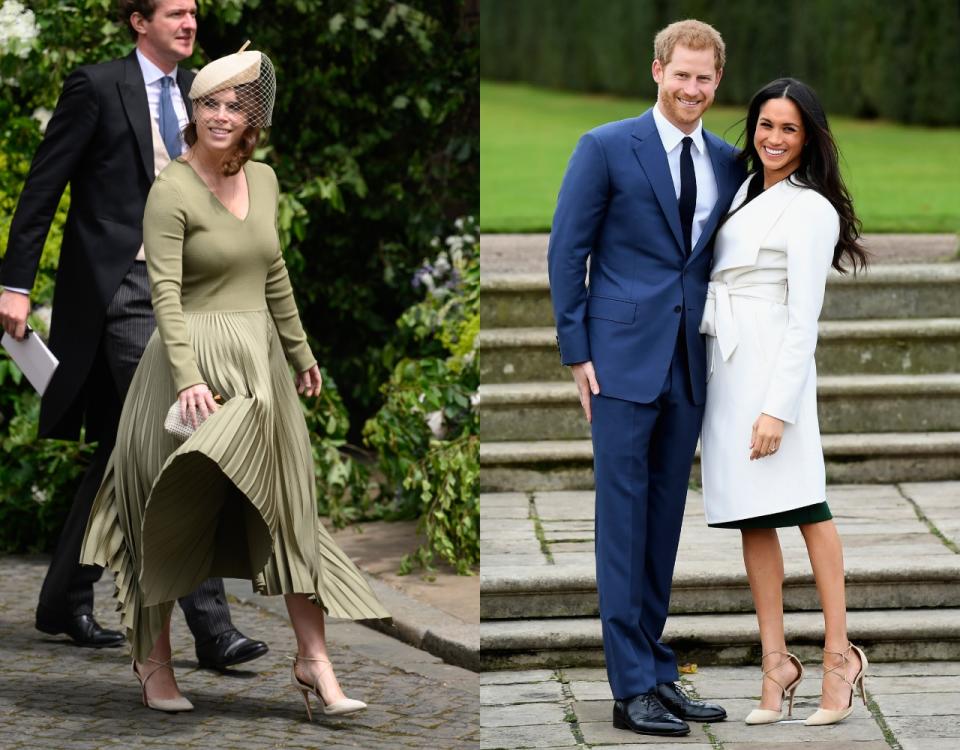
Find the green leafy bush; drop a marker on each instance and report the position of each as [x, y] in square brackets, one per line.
[427, 431]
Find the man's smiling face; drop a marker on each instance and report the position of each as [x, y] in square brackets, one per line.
[686, 85]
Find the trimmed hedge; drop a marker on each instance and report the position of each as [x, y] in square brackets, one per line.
[866, 58]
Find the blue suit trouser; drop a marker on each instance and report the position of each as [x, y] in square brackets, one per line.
[642, 458]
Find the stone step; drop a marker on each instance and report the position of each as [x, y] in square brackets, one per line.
[847, 403]
[868, 457]
[886, 635]
[719, 587]
[922, 290]
[870, 347]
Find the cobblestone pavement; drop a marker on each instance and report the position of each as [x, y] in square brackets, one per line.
[912, 706]
[54, 695]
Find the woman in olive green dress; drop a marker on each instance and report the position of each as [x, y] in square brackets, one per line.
[237, 498]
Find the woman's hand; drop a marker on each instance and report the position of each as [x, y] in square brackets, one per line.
[765, 440]
[196, 399]
[309, 381]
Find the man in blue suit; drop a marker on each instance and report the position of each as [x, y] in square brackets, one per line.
[641, 199]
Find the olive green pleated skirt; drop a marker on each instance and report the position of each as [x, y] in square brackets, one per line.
[795, 517]
[236, 500]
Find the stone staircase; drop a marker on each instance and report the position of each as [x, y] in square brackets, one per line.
[889, 395]
[887, 358]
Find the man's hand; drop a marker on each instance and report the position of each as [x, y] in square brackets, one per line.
[765, 440]
[586, 379]
[14, 309]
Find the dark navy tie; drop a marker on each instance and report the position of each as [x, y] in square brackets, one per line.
[169, 124]
[688, 193]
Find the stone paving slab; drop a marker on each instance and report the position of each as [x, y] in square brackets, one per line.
[603, 732]
[511, 695]
[545, 736]
[524, 715]
[584, 710]
[929, 743]
[56, 696]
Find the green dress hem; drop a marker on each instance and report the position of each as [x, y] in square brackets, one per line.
[815, 513]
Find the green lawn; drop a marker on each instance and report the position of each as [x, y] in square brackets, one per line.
[903, 179]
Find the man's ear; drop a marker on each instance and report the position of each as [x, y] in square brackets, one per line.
[719, 76]
[657, 70]
[138, 22]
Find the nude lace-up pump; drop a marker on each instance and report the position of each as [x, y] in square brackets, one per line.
[766, 715]
[337, 708]
[824, 716]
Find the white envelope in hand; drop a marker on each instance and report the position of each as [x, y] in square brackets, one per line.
[33, 358]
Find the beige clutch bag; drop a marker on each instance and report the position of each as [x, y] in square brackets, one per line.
[176, 426]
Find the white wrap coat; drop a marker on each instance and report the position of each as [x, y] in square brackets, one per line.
[771, 261]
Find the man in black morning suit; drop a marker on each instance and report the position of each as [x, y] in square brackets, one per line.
[116, 124]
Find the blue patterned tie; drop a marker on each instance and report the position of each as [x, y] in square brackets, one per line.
[169, 125]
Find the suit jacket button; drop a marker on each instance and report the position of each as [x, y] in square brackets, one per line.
[677, 308]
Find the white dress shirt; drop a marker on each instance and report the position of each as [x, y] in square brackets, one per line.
[152, 76]
[672, 138]
[151, 79]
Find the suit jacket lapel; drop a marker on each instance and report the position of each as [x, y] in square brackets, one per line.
[133, 95]
[721, 172]
[184, 81]
[653, 159]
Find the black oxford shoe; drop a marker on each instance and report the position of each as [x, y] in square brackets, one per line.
[82, 629]
[645, 714]
[674, 698]
[229, 649]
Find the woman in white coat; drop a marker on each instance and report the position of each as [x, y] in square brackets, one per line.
[761, 453]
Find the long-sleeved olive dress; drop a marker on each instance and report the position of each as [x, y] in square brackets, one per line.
[237, 499]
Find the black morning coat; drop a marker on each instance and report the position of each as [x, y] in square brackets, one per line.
[99, 141]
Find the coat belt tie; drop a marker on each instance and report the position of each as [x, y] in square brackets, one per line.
[718, 320]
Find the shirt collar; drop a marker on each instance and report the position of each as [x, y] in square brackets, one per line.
[151, 73]
[671, 135]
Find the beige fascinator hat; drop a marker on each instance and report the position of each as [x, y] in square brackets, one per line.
[251, 76]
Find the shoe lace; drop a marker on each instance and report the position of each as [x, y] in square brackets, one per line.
[684, 691]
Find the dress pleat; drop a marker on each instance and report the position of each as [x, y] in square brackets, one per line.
[237, 499]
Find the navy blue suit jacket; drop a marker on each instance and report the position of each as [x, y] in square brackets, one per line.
[617, 206]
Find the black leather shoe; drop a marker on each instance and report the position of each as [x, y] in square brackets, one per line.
[83, 629]
[674, 698]
[645, 714]
[228, 649]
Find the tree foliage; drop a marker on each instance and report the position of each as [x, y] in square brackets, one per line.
[866, 58]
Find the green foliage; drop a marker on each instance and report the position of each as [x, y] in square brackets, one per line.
[427, 431]
[342, 481]
[866, 58]
[38, 477]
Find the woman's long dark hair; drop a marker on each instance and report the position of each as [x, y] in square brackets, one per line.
[819, 162]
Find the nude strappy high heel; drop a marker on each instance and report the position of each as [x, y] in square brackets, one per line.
[168, 705]
[766, 715]
[337, 708]
[823, 716]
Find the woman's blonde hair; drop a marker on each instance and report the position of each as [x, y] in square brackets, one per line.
[690, 33]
